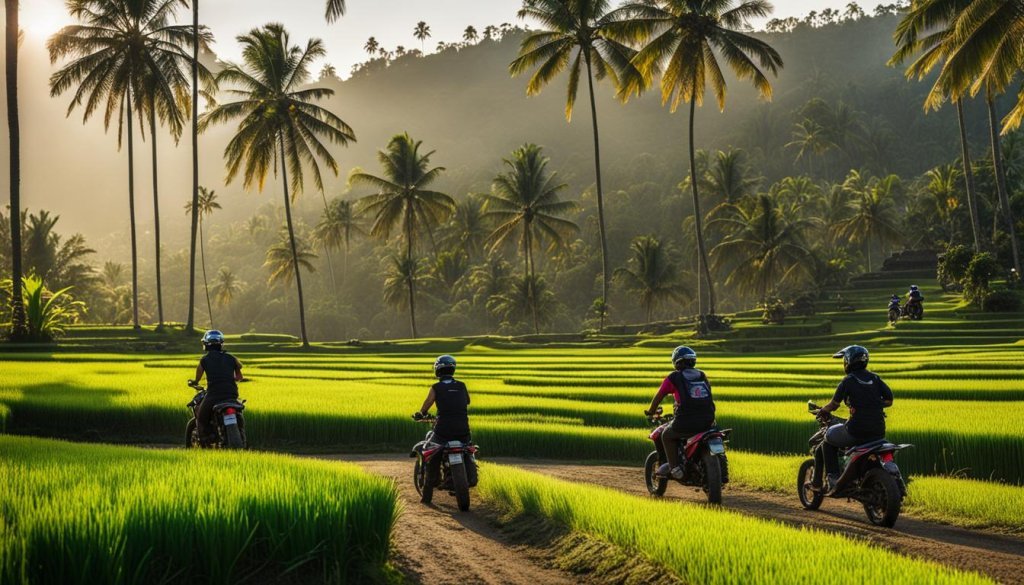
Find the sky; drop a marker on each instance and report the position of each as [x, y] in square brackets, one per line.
[390, 21]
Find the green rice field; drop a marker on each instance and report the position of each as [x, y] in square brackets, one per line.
[84, 514]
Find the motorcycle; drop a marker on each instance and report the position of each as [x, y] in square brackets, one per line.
[869, 475]
[895, 311]
[702, 457]
[453, 476]
[227, 417]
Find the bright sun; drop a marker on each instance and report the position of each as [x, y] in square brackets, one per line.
[42, 19]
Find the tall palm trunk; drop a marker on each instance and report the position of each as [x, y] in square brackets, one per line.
[291, 239]
[531, 293]
[206, 283]
[19, 328]
[190, 324]
[697, 222]
[412, 269]
[327, 249]
[131, 211]
[156, 214]
[972, 197]
[1000, 172]
[605, 274]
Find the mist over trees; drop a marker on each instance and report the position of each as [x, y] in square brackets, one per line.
[795, 195]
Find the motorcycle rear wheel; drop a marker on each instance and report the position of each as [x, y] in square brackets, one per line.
[655, 485]
[461, 483]
[712, 477]
[233, 437]
[883, 502]
[809, 498]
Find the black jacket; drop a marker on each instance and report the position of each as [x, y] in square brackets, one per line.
[452, 400]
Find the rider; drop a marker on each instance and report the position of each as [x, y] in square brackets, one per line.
[914, 296]
[694, 407]
[223, 372]
[452, 423]
[866, 395]
[894, 302]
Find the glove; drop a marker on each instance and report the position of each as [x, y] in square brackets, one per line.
[417, 415]
[649, 413]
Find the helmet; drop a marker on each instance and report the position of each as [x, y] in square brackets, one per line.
[684, 357]
[855, 357]
[444, 366]
[913, 287]
[895, 297]
[213, 338]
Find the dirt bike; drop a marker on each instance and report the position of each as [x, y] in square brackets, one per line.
[227, 417]
[895, 311]
[913, 310]
[702, 457]
[869, 474]
[454, 474]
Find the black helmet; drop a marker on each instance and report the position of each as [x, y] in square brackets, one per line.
[684, 357]
[213, 338]
[444, 366]
[855, 357]
[913, 287]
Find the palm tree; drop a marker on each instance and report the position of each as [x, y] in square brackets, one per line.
[764, 247]
[279, 123]
[400, 277]
[874, 214]
[525, 201]
[227, 287]
[468, 228]
[335, 10]
[942, 188]
[340, 221]
[19, 327]
[686, 37]
[403, 200]
[194, 220]
[122, 53]
[470, 35]
[579, 34]
[372, 47]
[422, 32]
[651, 274]
[527, 296]
[207, 205]
[928, 28]
[286, 256]
[491, 278]
[810, 138]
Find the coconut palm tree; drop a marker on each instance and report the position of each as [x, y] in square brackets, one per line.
[122, 53]
[422, 32]
[194, 220]
[335, 10]
[942, 187]
[279, 123]
[286, 256]
[810, 138]
[341, 220]
[583, 36]
[527, 297]
[470, 35]
[874, 215]
[207, 205]
[764, 248]
[19, 327]
[404, 201]
[686, 37]
[468, 228]
[372, 47]
[651, 275]
[928, 30]
[525, 202]
[399, 278]
[227, 287]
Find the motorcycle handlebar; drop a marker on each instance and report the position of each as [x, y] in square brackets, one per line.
[195, 385]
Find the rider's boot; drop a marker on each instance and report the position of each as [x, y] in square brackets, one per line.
[830, 484]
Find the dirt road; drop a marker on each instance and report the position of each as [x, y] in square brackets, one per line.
[439, 545]
[1000, 557]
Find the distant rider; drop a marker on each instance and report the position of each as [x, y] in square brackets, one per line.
[866, 395]
[914, 297]
[223, 372]
[894, 302]
[452, 422]
[694, 407]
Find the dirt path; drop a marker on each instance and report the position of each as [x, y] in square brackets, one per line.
[998, 556]
[438, 544]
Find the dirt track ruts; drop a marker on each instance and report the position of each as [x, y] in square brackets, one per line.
[1001, 557]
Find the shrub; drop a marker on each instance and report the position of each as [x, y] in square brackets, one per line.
[774, 312]
[953, 266]
[977, 279]
[1002, 301]
[803, 306]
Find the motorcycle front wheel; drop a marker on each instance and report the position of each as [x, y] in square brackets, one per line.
[655, 485]
[810, 498]
[418, 471]
[883, 500]
[191, 435]
[461, 484]
[712, 477]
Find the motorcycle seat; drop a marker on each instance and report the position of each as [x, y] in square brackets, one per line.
[868, 445]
